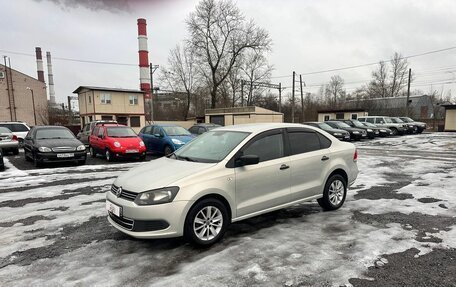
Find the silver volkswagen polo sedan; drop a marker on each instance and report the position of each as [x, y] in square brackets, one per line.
[230, 174]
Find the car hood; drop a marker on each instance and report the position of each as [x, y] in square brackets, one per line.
[50, 143]
[158, 173]
[127, 141]
[184, 139]
[331, 131]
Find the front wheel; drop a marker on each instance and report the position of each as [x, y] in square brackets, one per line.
[168, 150]
[206, 222]
[394, 132]
[334, 193]
[108, 155]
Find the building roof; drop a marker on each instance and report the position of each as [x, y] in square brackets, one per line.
[392, 101]
[341, 110]
[450, 106]
[241, 110]
[33, 78]
[80, 88]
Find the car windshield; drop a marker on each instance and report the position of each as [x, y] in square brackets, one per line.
[176, 131]
[358, 124]
[209, 128]
[121, 132]
[397, 120]
[4, 130]
[341, 125]
[367, 124]
[325, 126]
[44, 134]
[388, 120]
[210, 147]
[407, 120]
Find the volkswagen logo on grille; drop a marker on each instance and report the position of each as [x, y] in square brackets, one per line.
[119, 191]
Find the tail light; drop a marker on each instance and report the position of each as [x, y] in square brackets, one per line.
[14, 138]
[355, 156]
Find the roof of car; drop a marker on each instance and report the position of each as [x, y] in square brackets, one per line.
[166, 125]
[49, 127]
[259, 127]
[206, 124]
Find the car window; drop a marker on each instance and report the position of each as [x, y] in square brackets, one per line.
[201, 130]
[147, 130]
[5, 130]
[87, 128]
[302, 142]
[324, 141]
[100, 132]
[193, 130]
[370, 120]
[266, 148]
[157, 130]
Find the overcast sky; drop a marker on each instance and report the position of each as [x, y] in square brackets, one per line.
[308, 36]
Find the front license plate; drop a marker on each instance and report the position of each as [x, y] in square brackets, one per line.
[65, 155]
[114, 209]
[131, 151]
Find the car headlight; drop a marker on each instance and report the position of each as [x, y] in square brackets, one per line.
[369, 130]
[158, 196]
[383, 131]
[81, 148]
[44, 149]
[116, 144]
[356, 132]
[176, 141]
[337, 134]
[141, 143]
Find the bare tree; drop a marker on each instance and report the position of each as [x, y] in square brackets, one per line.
[398, 77]
[234, 80]
[335, 89]
[255, 68]
[379, 85]
[219, 34]
[181, 73]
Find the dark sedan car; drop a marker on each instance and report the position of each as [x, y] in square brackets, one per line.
[337, 133]
[199, 129]
[383, 132]
[420, 125]
[371, 133]
[46, 144]
[411, 127]
[2, 164]
[355, 133]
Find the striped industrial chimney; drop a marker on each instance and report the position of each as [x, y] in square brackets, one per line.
[144, 76]
[39, 64]
[50, 78]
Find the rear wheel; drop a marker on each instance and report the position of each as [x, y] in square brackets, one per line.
[206, 222]
[334, 193]
[394, 131]
[168, 150]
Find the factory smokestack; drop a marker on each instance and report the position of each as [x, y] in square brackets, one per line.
[144, 76]
[39, 64]
[50, 78]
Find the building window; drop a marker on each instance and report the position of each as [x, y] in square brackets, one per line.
[133, 100]
[135, 122]
[354, 116]
[105, 99]
[327, 118]
[339, 116]
[106, 118]
[90, 99]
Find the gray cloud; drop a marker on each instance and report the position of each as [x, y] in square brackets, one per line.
[114, 6]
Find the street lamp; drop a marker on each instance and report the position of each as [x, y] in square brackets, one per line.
[33, 103]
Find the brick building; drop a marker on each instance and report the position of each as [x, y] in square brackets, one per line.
[16, 103]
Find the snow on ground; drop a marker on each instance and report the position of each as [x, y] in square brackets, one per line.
[64, 238]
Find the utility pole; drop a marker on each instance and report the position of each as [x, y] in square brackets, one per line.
[408, 93]
[33, 104]
[293, 98]
[280, 97]
[242, 93]
[302, 100]
[152, 69]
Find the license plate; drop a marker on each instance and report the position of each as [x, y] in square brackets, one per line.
[114, 209]
[65, 155]
[131, 151]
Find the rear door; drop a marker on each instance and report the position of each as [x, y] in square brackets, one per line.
[309, 162]
[145, 135]
[266, 184]
[93, 139]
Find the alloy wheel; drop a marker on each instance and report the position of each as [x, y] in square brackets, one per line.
[336, 192]
[208, 223]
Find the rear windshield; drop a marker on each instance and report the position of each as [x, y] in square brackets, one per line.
[44, 134]
[121, 132]
[4, 130]
[15, 127]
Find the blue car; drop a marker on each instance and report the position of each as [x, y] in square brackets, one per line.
[164, 139]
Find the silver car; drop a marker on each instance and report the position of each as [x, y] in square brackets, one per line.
[230, 174]
[8, 141]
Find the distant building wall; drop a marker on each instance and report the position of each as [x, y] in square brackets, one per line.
[242, 115]
[23, 107]
[342, 115]
[450, 120]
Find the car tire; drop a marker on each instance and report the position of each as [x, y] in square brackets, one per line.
[142, 157]
[204, 232]
[394, 132]
[168, 150]
[108, 155]
[16, 151]
[92, 151]
[81, 162]
[36, 162]
[334, 193]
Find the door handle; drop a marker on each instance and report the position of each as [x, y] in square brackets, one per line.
[284, 166]
[324, 158]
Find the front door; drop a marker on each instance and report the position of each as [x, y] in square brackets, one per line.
[266, 184]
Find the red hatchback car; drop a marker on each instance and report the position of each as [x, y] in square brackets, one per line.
[115, 141]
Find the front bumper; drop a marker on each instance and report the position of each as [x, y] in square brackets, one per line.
[9, 144]
[161, 220]
[122, 152]
[52, 156]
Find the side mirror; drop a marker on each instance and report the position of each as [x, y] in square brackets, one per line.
[158, 135]
[247, 160]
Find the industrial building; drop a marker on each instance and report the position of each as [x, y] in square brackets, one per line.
[341, 114]
[450, 118]
[242, 115]
[124, 106]
[22, 97]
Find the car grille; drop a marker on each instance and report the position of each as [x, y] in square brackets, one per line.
[122, 221]
[125, 194]
[63, 149]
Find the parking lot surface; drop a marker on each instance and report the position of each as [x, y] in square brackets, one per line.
[397, 228]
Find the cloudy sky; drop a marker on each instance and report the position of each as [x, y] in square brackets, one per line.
[308, 36]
